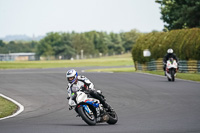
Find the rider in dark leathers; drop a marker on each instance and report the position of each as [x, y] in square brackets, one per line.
[169, 55]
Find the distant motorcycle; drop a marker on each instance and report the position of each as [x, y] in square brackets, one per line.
[91, 110]
[171, 69]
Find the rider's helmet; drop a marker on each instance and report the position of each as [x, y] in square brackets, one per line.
[170, 51]
[71, 76]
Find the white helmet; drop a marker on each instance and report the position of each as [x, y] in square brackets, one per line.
[71, 76]
[170, 51]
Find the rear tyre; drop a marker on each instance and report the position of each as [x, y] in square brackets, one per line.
[113, 118]
[168, 79]
[90, 119]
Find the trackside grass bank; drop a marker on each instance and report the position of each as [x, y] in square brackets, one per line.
[119, 60]
[187, 76]
[6, 107]
[121, 69]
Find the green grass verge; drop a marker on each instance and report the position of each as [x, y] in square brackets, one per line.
[187, 76]
[121, 60]
[6, 107]
[126, 69]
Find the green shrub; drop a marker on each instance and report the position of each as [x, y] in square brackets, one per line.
[184, 42]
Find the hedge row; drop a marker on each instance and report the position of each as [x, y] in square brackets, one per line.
[184, 42]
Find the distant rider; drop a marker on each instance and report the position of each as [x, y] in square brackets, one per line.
[169, 55]
[81, 82]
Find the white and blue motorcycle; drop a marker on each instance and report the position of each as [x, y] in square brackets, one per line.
[91, 110]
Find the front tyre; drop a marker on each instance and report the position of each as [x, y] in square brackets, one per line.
[113, 118]
[172, 74]
[88, 118]
[167, 75]
[168, 79]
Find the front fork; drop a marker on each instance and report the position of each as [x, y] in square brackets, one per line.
[86, 108]
[168, 70]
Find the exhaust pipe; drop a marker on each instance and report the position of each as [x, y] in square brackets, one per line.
[104, 118]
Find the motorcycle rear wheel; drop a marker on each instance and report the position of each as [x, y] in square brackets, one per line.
[113, 118]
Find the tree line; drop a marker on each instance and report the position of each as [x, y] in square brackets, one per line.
[178, 14]
[69, 45]
[17, 46]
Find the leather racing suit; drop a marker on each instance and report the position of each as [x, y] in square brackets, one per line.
[86, 85]
[166, 57]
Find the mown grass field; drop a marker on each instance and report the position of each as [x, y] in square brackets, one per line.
[118, 60]
[121, 69]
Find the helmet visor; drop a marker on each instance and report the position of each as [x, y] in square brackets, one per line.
[70, 79]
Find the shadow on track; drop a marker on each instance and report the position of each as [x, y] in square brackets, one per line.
[80, 125]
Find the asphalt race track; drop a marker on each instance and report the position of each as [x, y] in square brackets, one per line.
[144, 103]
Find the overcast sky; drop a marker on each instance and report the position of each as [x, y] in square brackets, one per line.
[38, 17]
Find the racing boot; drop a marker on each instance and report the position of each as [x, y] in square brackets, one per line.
[107, 107]
[101, 99]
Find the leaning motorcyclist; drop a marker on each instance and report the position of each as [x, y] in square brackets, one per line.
[81, 82]
[169, 55]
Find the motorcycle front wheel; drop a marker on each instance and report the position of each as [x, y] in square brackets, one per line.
[90, 119]
[168, 79]
[172, 74]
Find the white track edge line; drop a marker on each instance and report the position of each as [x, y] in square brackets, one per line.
[21, 107]
[83, 71]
